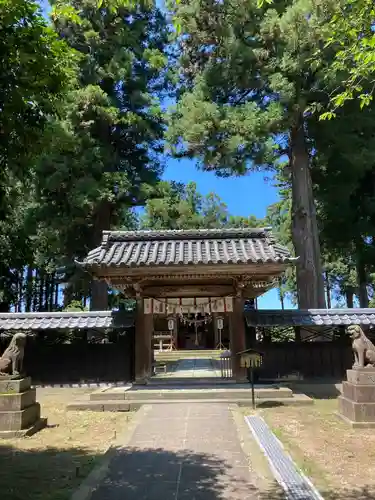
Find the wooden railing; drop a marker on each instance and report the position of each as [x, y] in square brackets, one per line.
[163, 341]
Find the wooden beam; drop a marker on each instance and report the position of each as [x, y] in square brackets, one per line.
[191, 272]
[188, 291]
[177, 289]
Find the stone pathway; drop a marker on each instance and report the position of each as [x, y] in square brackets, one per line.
[195, 368]
[181, 452]
[192, 368]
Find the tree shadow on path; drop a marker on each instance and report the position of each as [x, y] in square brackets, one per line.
[141, 474]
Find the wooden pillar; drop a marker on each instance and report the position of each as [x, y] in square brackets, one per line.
[143, 344]
[238, 337]
[216, 331]
[175, 331]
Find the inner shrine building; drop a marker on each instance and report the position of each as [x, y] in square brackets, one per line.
[190, 286]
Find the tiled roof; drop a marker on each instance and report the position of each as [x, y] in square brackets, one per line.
[59, 320]
[110, 319]
[311, 317]
[187, 247]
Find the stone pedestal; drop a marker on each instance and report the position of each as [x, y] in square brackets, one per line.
[19, 411]
[357, 402]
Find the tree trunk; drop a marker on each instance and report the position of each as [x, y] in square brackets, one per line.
[68, 295]
[349, 295]
[41, 292]
[29, 288]
[328, 291]
[20, 289]
[46, 292]
[362, 284]
[35, 290]
[281, 297]
[4, 307]
[17, 292]
[310, 283]
[99, 289]
[56, 299]
[51, 291]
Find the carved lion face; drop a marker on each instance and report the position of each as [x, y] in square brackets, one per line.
[355, 331]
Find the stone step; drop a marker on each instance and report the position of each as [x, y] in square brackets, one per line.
[197, 384]
[106, 405]
[125, 406]
[118, 393]
[165, 380]
[188, 354]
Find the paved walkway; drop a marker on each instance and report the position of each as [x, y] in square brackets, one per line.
[195, 368]
[192, 368]
[181, 452]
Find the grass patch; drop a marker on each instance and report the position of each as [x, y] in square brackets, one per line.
[340, 461]
[51, 464]
[306, 465]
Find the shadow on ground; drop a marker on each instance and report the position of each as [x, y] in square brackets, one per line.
[147, 474]
[326, 390]
[42, 474]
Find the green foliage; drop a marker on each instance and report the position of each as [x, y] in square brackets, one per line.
[36, 71]
[83, 134]
[72, 175]
[352, 38]
[104, 154]
[182, 207]
[75, 306]
[247, 83]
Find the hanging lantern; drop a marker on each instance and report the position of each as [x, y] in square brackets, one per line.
[220, 323]
[170, 324]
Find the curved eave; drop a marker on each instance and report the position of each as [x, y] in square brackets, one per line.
[155, 265]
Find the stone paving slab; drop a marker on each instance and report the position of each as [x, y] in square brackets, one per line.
[192, 368]
[189, 451]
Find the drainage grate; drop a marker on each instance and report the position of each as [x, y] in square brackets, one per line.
[295, 484]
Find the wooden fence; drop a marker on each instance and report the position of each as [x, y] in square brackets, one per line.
[79, 362]
[310, 359]
[89, 362]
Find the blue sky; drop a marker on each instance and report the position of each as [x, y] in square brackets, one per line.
[245, 196]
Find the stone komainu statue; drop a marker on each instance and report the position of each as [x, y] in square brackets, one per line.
[363, 348]
[11, 362]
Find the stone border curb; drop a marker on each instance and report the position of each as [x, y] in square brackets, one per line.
[257, 462]
[83, 385]
[283, 465]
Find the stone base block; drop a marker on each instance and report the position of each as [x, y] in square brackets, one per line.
[33, 429]
[362, 376]
[356, 425]
[356, 412]
[8, 386]
[359, 393]
[18, 420]
[17, 401]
